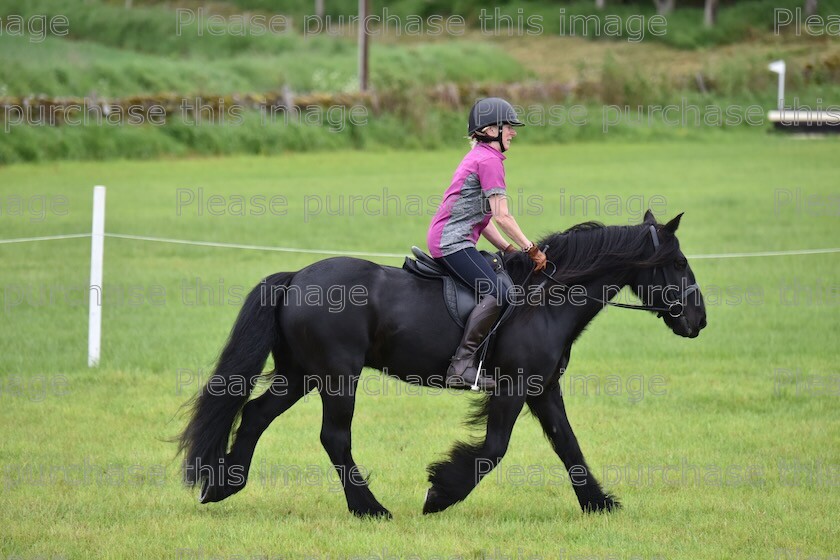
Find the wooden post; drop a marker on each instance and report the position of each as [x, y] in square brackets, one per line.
[710, 13]
[364, 5]
[664, 7]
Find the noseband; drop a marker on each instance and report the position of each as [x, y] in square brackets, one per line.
[674, 309]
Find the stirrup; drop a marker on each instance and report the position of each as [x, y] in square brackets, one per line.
[474, 386]
[479, 383]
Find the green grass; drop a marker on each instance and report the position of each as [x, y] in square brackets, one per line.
[723, 406]
[365, 129]
[109, 51]
[80, 68]
[113, 52]
[737, 21]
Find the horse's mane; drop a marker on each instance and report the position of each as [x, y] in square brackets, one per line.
[591, 249]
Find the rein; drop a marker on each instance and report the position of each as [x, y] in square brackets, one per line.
[674, 309]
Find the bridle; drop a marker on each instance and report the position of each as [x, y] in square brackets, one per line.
[674, 309]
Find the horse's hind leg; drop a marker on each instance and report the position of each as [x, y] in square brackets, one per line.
[339, 404]
[285, 390]
[549, 408]
[453, 480]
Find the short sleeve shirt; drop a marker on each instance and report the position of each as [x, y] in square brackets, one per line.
[465, 210]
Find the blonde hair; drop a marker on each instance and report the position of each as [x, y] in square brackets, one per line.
[472, 137]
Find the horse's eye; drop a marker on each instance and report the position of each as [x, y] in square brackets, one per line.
[680, 264]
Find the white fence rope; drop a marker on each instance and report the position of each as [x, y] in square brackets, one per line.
[343, 253]
[254, 247]
[46, 238]
[766, 254]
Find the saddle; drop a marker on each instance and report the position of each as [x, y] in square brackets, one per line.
[459, 298]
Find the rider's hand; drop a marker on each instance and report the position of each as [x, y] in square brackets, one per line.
[509, 249]
[538, 257]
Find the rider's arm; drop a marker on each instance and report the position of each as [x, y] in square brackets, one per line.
[506, 222]
[492, 235]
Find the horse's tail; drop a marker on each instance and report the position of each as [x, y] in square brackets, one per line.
[215, 408]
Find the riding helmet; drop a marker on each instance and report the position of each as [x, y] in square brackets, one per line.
[492, 111]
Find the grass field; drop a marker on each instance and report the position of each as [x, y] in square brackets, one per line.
[745, 416]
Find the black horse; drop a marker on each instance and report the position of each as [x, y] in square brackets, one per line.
[399, 324]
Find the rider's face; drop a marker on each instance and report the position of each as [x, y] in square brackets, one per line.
[508, 134]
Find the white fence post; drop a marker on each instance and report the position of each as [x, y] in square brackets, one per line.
[778, 67]
[97, 250]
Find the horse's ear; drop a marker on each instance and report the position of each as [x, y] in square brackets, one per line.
[649, 219]
[673, 224]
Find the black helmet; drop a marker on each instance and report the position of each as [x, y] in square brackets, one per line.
[492, 111]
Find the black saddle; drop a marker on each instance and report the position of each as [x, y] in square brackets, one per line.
[459, 298]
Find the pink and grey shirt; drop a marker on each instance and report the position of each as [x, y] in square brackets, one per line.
[465, 210]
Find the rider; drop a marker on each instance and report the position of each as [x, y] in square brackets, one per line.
[476, 194]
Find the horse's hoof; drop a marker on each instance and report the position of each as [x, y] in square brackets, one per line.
[434, 502]
[373, 513]
[207, 494]
[605, 504]
[210, 494]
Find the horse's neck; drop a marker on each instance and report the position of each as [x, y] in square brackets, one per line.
[579, 311]
[604, 288]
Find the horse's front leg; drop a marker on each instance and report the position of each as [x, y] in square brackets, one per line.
[453, 480]
[549, 408]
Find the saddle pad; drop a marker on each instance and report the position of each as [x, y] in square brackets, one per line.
[459, 298]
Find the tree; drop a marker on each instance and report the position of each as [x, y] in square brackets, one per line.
[710, 13]
[319, 9]
[810, 7]
[600, 4]
[664, 7]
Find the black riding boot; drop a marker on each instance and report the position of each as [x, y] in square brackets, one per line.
[462, 371]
